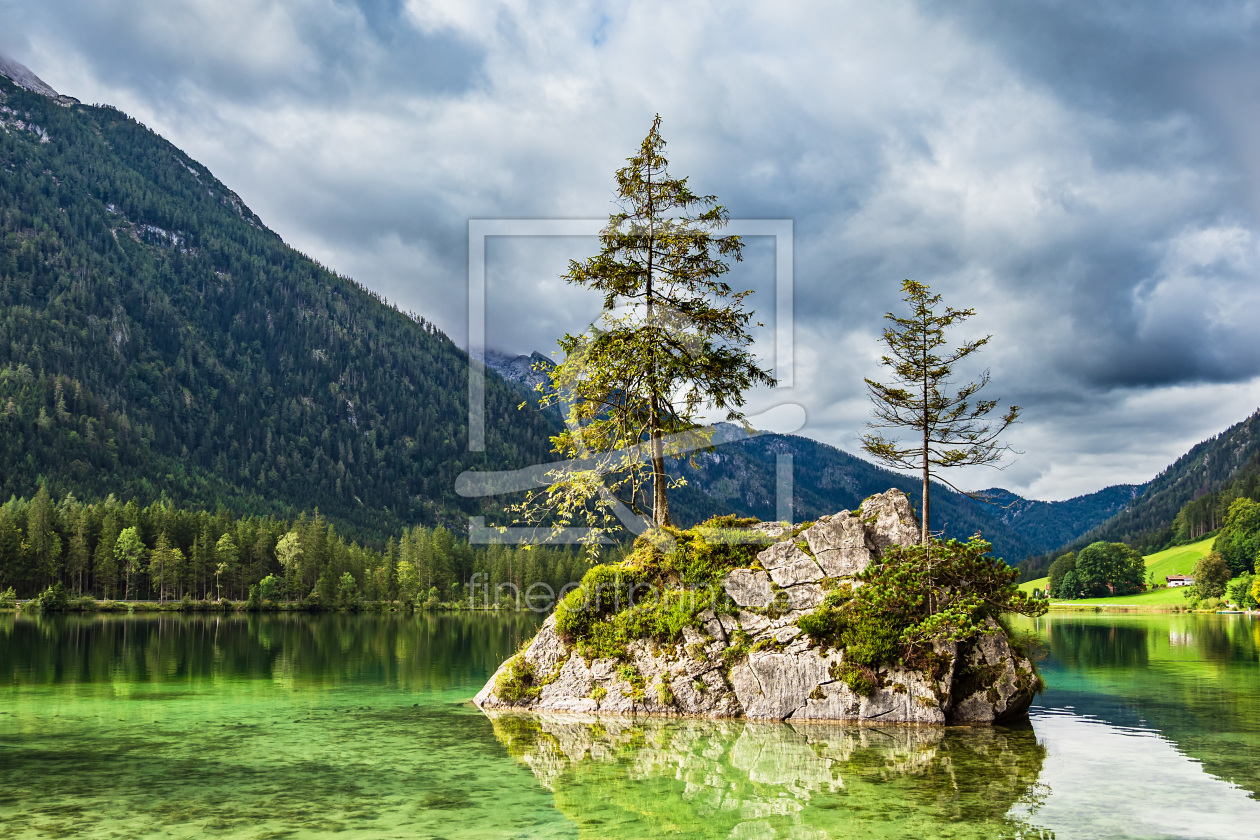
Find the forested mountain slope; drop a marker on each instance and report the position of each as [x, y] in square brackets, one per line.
[1206, 469]
[156, 339]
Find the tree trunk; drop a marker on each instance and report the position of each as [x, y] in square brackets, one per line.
[926, 451]
[660, 481]
[923, 538]
[926, 534]
[660, 495]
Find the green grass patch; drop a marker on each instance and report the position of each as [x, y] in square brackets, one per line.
[1029, 585]
[1178, 560]
[1162, 597]
[659, 589]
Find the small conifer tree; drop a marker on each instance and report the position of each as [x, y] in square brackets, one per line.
[951, 428]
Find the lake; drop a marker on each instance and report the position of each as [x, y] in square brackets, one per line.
[270, 726]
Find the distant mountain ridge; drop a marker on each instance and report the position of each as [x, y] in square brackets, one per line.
[529, 371]
[22, 76]
[740, 475]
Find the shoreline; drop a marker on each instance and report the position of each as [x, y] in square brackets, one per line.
[1142, 608]
[30, 607]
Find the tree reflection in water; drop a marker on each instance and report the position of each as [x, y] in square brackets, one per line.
[643, 777]
[1086, 645]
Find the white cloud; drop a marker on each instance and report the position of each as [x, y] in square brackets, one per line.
[1101, 227]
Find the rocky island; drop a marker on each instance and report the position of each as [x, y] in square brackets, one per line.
[821, 622]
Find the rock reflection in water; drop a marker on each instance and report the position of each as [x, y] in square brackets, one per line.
[628, 777]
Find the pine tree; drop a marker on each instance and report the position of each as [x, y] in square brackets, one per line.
[78, 560]
[289, 554]
[225, 555]
[157, 564]
[104, 563]
[202, 560]
[950, 429]
[43, 543]
[10, 542]
[672, 339]
[128, 552]
[408, 582]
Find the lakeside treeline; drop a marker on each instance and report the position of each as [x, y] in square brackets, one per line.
[115, 550]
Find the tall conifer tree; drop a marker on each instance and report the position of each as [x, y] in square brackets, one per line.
[672, 339]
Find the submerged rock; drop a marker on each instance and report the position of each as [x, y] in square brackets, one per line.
[756, 663]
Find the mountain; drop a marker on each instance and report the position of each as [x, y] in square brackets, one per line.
[22, 76]
[826, 479]
[158, 340]
[528, 371]
[740, 475]
[1208, 468]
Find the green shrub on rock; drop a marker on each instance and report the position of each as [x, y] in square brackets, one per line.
[860, 679]
[906, 603]
[518, 681]
[604, 590]
[659, 589]
[705, 554]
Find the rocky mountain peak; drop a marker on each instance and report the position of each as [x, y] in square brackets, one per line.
[527, 370]
[21, 75]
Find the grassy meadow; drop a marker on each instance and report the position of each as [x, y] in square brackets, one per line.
[1178, 560]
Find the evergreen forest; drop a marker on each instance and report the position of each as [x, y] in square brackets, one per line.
[115, 550]
[157, 341]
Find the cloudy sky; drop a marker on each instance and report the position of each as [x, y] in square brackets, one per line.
[1087, 178]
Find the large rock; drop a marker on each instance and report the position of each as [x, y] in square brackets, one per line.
[545, 655]
[994, 682]
[889, 520]
[772, 686]
[788, 565]
[846, 543]
[804, 597]
[754, 661]
[749, 589]
[839, 544]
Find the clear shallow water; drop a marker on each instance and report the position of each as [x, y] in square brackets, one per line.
[296, 726]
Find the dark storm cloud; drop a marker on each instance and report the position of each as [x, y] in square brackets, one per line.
[1150, 63]
[1086, 175]
[1133, 57]
[255, 51]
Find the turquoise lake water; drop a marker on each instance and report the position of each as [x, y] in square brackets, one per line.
[360, 726]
